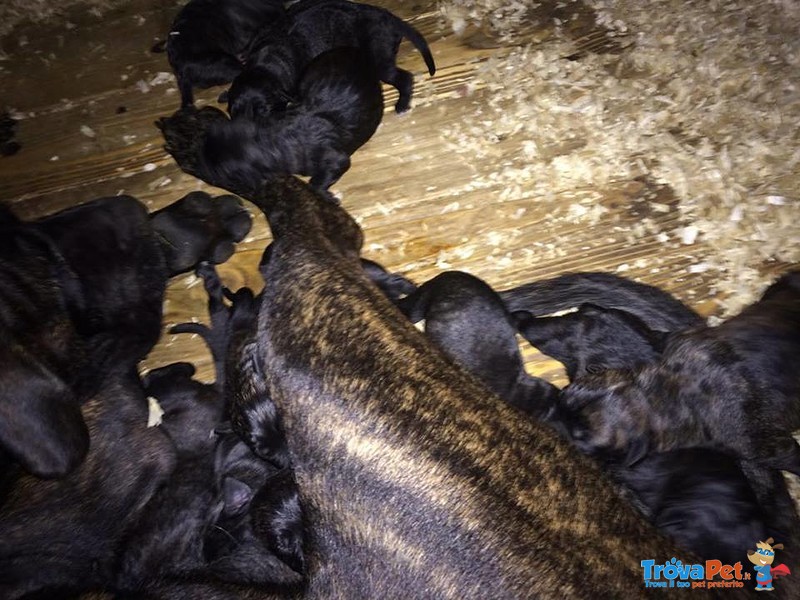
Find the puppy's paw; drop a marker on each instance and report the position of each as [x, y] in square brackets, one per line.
[200, 228]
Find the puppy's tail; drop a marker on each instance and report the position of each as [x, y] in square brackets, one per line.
[656, 308]
[416, 38]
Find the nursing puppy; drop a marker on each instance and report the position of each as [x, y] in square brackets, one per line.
[700, 498]
[418, 482]
[210, 39]
[339, 107]
[393, 285]
[64, 534]
[261, 519]
[72, 283]
[178, 534]
[732, 386]
[656, 308]
[593, 339]
[281, 55]
[466, 319]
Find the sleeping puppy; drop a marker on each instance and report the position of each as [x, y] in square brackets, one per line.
[178, 534]
[340, 106]
[732, 387]
[593, 339]
[700, 498]
[281, 55]
[398, 453]
[210, 39]
[466, 319]
[118, 258]
[261, 519]
[656, 308]
[63, 535]
[70, 284]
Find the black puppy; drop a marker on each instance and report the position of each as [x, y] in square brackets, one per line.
[192, 410]
[176, 537]
[210, 39]
[392, 285]
[700, 498]
[340, 106]
[261, 503]
[592, 339]
[97, 275]
[261, 517]
[657, 309]
[281, 55]
[466, 319]
[71, 284]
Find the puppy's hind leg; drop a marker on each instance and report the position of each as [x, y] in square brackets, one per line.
[403, 81]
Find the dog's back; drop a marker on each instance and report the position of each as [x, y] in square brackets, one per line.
[418, 482]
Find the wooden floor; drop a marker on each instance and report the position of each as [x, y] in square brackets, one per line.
[88, 90]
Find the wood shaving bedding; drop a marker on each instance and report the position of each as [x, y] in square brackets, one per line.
[706, 102]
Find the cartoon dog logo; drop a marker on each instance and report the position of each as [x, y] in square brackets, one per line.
[762, 558]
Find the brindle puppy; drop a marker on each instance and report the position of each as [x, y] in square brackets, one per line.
[210, 40]
[466, 319]
[732, 386]
[282, 54]
[418, 481]
[656, 308]
[340, 106]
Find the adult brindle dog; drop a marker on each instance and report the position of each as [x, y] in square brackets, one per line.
[418, 482]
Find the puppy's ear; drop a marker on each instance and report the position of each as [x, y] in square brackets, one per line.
[236, 496]
[637, 450]
[41, 425]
